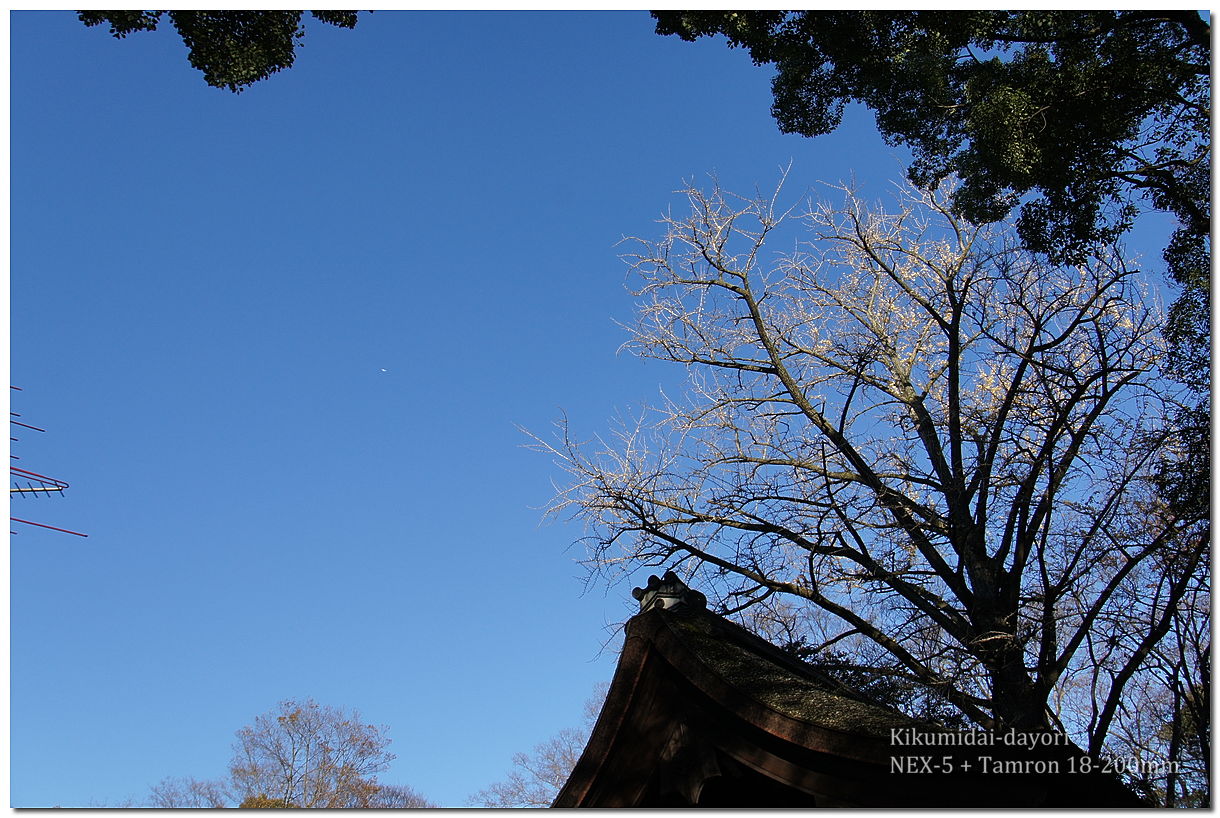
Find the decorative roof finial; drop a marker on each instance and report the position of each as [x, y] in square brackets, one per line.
[668, 592]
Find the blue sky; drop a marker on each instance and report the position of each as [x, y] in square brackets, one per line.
[205, 291]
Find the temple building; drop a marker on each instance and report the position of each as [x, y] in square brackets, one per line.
[702, 713]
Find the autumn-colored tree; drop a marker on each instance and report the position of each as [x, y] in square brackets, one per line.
[300, 755]
[398, 796]
[309, 755]
[263, 802]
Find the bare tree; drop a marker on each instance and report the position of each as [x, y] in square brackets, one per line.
[939, 440]
[1163, 732]
[538, 777]
[302, 755]
[398, 796]
[189, 793]
[310, 756]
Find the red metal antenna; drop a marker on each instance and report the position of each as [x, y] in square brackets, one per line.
[27, 483]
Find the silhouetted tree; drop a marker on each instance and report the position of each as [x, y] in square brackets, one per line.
[939, 439]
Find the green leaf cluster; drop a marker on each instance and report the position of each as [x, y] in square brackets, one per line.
[233, 49]
[1077, 106]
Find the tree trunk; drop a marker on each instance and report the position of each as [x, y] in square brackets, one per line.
[1018, 705]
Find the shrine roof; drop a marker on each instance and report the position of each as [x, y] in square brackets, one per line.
[781, 682]
[702, 712]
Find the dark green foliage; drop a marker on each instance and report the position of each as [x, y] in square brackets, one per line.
[1079, 107]
[233, 49]
[122, 23]
[1072, 118]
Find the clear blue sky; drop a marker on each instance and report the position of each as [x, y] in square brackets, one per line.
[205, 289]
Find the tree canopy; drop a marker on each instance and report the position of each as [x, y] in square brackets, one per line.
[233, 49]
[1083, 108]
[1073, 118]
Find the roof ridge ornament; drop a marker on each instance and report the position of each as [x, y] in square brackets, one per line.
[668, 592]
